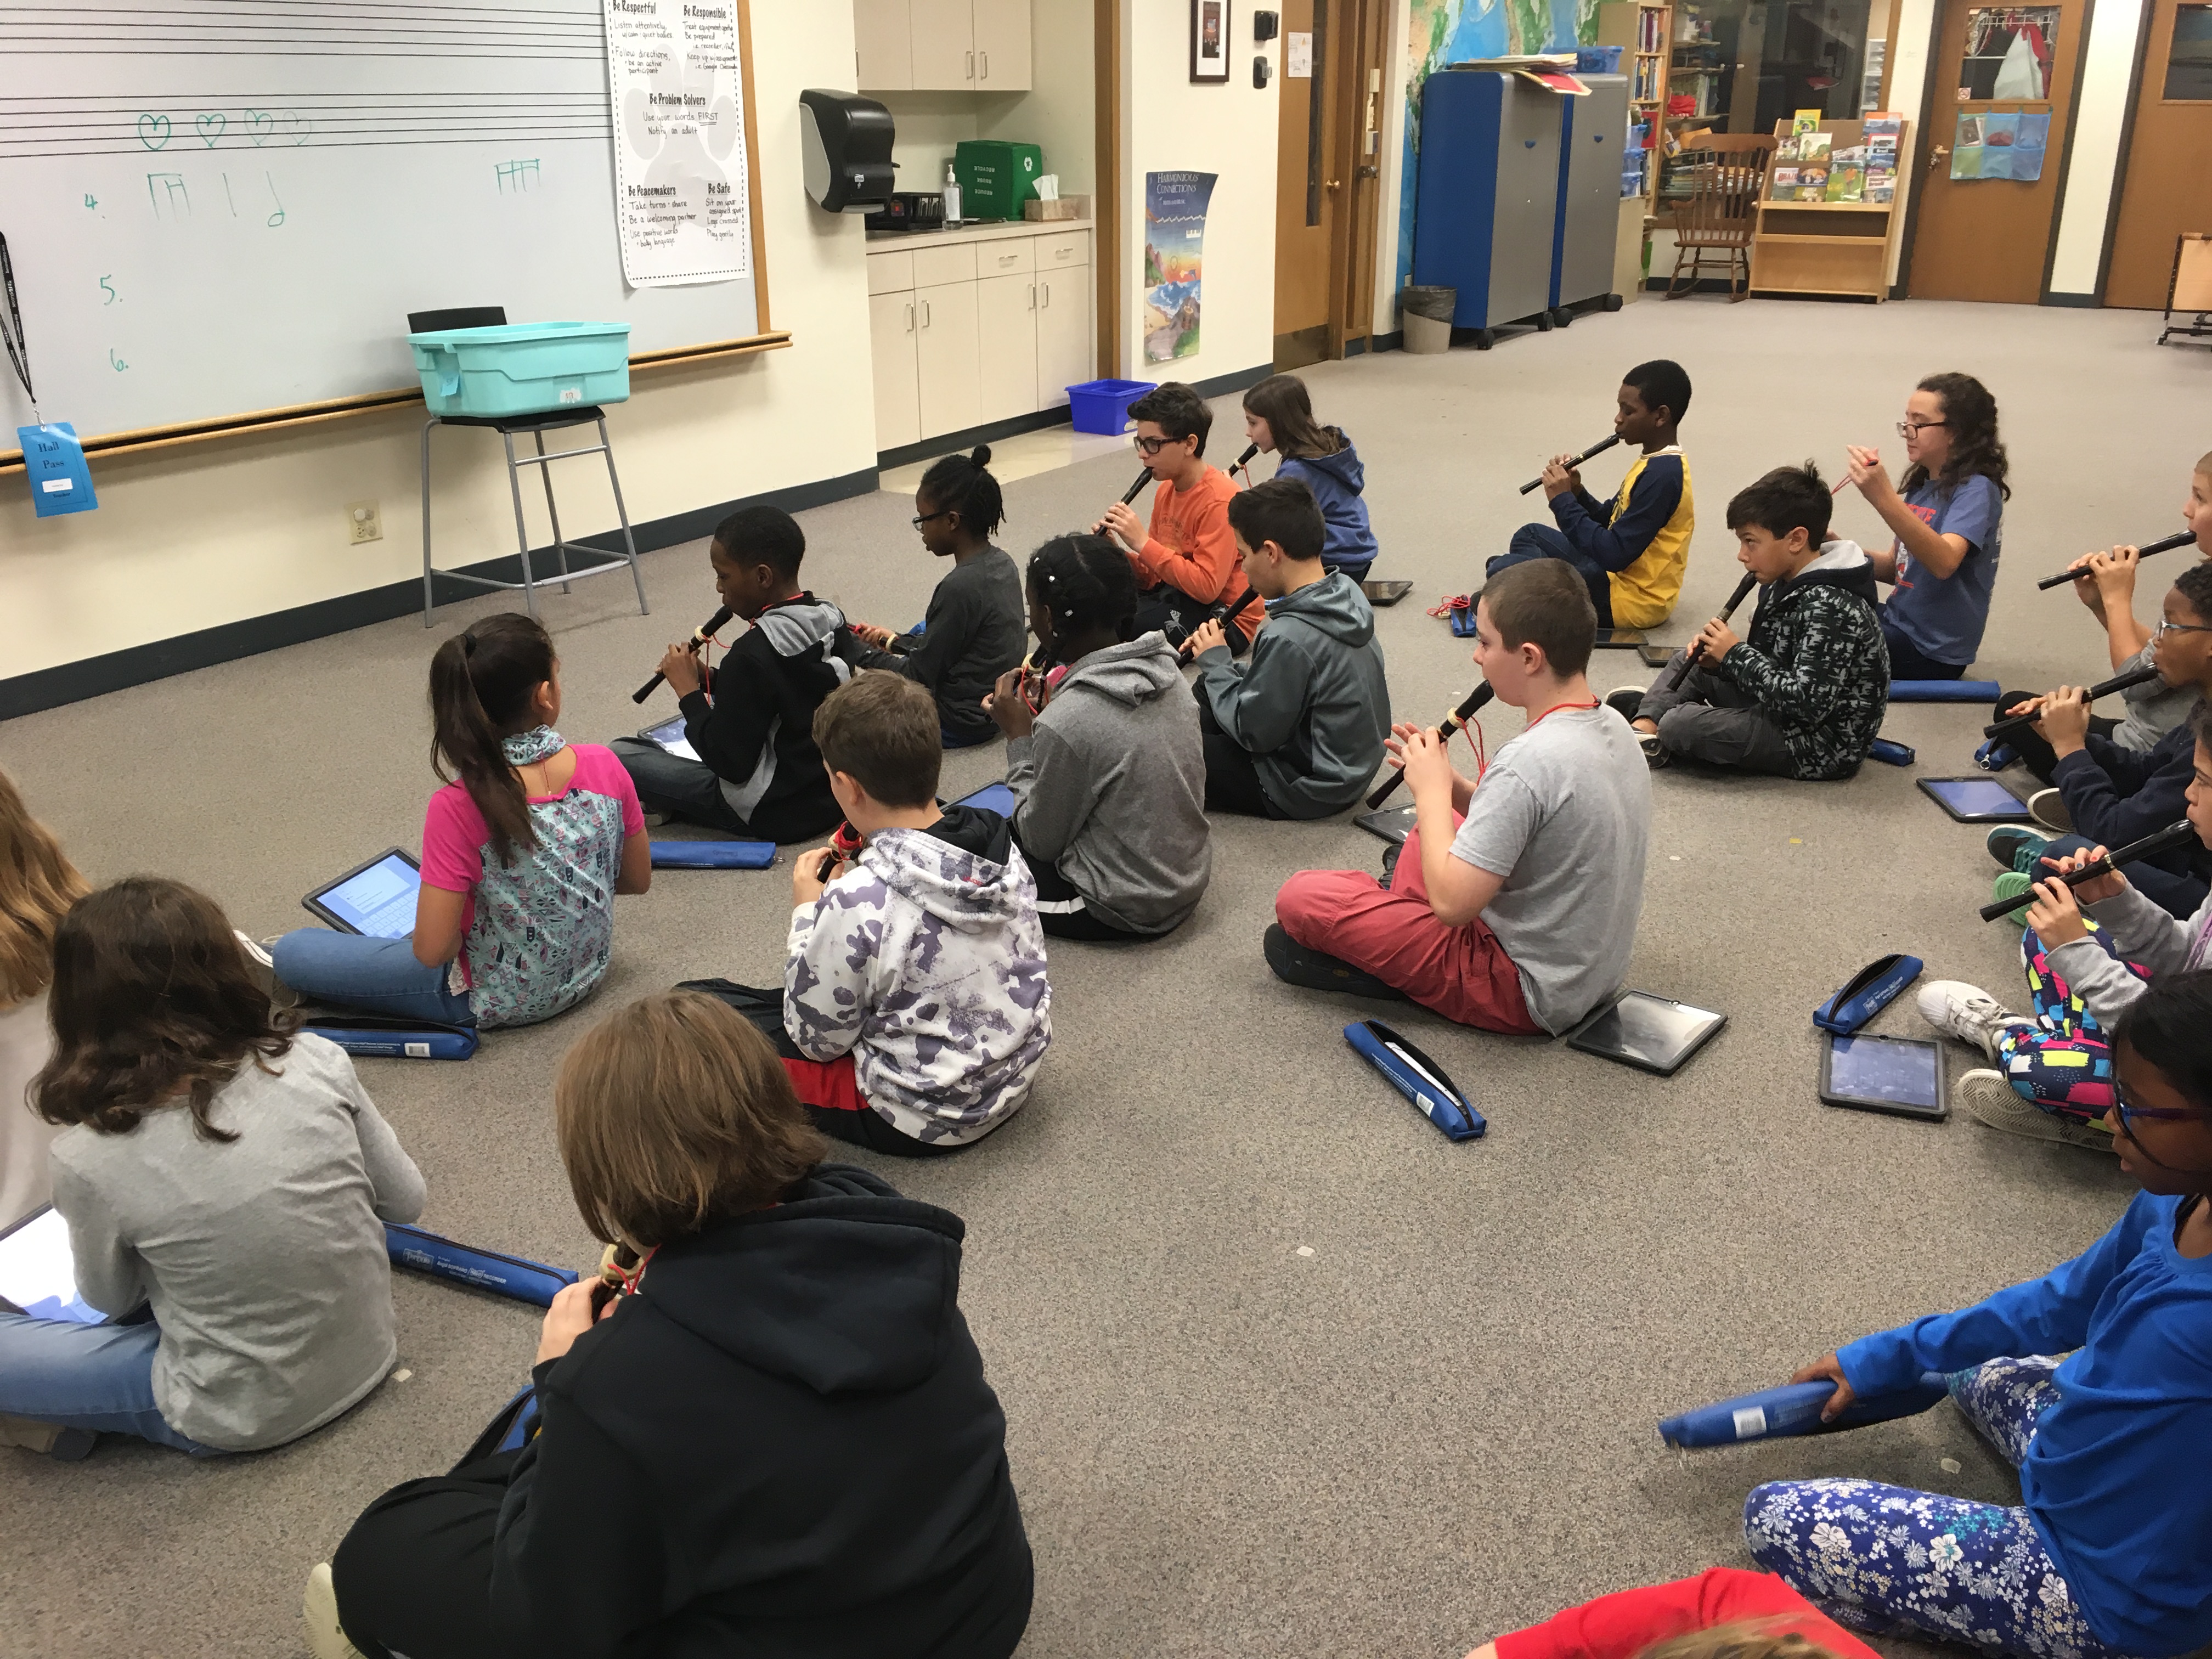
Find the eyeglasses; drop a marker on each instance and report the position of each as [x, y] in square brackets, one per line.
[2130, 1112]
[921, 519]
[1906, 429]
[1149, 447]
[2161, 628]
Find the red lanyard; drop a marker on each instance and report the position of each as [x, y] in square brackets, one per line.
[1556, 707]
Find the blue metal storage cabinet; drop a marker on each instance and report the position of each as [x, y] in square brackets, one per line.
[1489, 197]
[1593, 130]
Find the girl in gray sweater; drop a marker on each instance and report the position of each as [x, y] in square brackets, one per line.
[218, 1170]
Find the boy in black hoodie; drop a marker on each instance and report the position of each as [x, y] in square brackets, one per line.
[1803, 697]
[753, 769]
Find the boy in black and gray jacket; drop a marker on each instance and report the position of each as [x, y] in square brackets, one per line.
[1298, 731]
[1803, 696]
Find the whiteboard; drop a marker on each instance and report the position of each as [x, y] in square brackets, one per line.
[226, 206]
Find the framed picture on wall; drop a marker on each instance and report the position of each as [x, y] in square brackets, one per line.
[1209, 40]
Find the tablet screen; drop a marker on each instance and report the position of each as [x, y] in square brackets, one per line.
[1647, 1031]
[992, 798]
[379, 901]
[1899, 1070]
[39, 1274]
[669, 734]
[1975, 797]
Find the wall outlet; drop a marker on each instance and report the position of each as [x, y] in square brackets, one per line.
[364, 523]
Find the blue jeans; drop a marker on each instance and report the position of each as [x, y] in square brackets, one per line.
[376, 975]
[1907, 661]
[1544, 541]
[86, 1377]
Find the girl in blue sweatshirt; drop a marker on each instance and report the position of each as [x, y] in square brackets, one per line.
[2107, 1552]
[1279, 417]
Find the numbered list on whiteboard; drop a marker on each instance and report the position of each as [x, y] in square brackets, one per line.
[682, 207]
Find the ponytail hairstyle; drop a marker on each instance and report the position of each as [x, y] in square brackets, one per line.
[37, 884]
[1086, 585]
[153, 1005]
[1281, 401]
[481, 682]
[1972, 416]
[958, 483]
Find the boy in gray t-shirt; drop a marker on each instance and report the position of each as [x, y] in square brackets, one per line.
[1521, 918]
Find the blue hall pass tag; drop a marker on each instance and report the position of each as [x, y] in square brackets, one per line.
[54, 462]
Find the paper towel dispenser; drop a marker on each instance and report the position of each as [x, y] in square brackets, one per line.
[845, 143]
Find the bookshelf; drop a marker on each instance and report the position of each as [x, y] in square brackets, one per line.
[1827, 247]
[1644, 34]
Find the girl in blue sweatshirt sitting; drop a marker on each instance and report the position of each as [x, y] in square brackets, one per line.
[2105, 1555]
[1279, 417]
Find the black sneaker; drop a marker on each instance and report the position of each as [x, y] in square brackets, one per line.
[1317, 970]
[1628, 700]
[1655, 753]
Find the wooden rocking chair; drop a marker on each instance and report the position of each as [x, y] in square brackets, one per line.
[1728, 175]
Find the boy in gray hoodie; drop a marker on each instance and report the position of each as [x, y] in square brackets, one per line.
[1297, 733]
[1107, 765]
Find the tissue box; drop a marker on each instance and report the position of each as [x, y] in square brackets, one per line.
[1067, 207]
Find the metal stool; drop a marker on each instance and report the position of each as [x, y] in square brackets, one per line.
[537, 426]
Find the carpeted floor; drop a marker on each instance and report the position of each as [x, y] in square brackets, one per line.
[1439, 1423]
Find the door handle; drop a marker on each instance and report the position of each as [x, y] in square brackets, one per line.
[925, 313]
[1372, 172]
[1335, 184]
[1937, 154]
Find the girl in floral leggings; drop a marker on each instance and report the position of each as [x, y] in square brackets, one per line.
[2107, 1553]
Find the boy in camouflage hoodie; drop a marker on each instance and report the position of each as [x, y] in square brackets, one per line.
[1804, 696]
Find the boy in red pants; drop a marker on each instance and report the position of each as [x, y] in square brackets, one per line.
[1514, 904]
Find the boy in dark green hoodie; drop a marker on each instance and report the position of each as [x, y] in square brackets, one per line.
[1298, 731]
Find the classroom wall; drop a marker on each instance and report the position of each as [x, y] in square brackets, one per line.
[2092, 179]
[1397, 75]
[1171, 126]
[206, 534]
[1059, 111]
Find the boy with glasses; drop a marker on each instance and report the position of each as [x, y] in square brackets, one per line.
[2105, 1553]
[1185, 560]
[2105, 792]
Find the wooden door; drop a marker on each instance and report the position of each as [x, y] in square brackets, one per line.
[883, 42]
[948, 359]
[943, 36]
[1989, 238]
[1002, 46]
[1309, 180]
[1063, 336]
[1006, 327]
[2168, 188]
[892, 320]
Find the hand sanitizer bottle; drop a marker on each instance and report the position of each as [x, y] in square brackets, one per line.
[951, 197]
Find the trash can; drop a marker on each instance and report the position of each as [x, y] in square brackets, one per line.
[1428, 317]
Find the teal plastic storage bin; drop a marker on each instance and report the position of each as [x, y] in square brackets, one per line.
[523, 368]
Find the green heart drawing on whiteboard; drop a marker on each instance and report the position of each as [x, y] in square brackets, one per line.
[258, 125]
[153, 131]
[293, 125]
[210, 126]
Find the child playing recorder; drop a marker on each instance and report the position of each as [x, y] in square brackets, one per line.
[2105, 1553]
[1279, 417]
[1804, 696]
[1514, 904]
[1298, 731]
[1633, 553]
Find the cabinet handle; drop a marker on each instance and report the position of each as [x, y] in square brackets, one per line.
[1033, 299]
[909, 318]
[925, 313]
[971, 66]
[1048, 297]
[986, 58]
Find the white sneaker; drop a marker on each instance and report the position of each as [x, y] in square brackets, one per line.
[1988, 1099]
[1966, 1013]
[262, 966]
[2048, 808]
[318, 1612]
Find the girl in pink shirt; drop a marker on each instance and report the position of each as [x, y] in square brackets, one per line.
[522, 854]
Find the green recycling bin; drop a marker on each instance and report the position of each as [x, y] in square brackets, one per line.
[996, 176]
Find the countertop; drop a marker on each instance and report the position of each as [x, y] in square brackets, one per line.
[882, 241]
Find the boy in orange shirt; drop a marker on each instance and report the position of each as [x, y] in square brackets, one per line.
[1186, 561]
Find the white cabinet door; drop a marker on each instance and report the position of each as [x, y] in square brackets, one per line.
[1002, 46]
[883, 33]
[943, 36]
[894, 323]
[1005, 316]
[947, 353]
[1063, 334]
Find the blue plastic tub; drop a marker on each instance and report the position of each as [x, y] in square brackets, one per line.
[522, 368]
[1597, 60]
[1103, 405]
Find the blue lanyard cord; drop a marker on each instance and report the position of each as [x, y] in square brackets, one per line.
[11, 331]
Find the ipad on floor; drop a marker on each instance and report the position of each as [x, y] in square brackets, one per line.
[1901, 1075]
[1393, 824]
[1653, 1033]
[992, 798]
[669, 734]
[376, 898]
[1619, 639]
[1977, 800]
[38, 1273]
